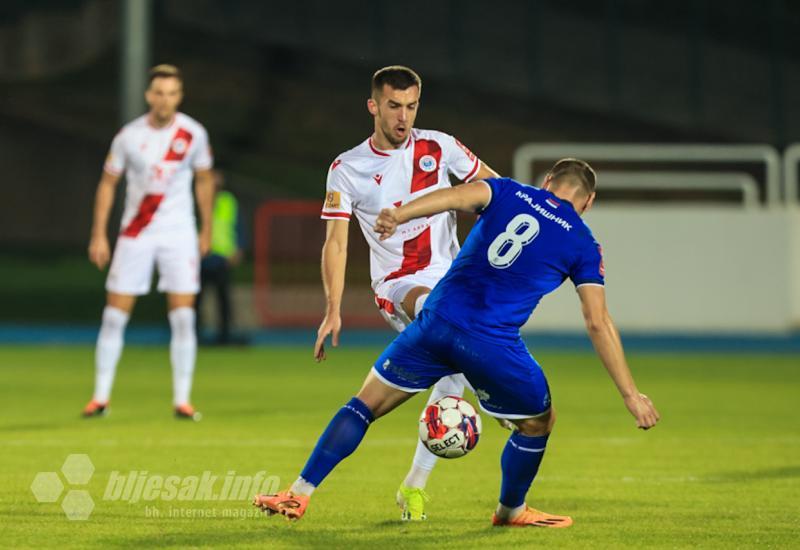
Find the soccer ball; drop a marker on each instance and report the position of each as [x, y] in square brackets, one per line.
[449, 427]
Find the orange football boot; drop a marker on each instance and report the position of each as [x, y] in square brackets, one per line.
[531, 517]
[187, 412]
[95, 408]
[285, 502]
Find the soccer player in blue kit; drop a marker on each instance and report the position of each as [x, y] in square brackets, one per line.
[526, 242]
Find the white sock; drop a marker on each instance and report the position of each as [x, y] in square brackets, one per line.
[505, 513]
[419, 303]
[424, 460]
[182, 352]
[108, 351]
[302, 487]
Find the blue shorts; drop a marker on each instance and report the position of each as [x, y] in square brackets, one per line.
[508, 381]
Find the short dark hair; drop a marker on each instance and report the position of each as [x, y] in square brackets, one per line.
[164, 71]
[575, 172]
[397, 77]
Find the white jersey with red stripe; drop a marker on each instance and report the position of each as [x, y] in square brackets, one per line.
[159, 165]
[364, 180]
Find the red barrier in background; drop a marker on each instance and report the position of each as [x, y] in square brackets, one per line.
[287, 290]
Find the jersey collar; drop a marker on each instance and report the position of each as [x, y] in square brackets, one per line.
[157, 128]
[559, 201]
[382, 153]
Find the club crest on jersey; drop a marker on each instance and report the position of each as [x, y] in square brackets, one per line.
[180, 145]
[427, 163]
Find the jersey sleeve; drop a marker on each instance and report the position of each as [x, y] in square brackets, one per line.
[460, 161]
[202, 157]
[588, 268]
[115, 161]
[338, 194]
[499, 187]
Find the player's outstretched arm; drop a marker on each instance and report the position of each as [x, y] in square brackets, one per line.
[469, 197]
[608, 346]
[99, 250]
[334, 265]
[204, 194]
[485, 171]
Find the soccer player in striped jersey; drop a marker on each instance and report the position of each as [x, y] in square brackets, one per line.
[396, 164]
[527, 242]
[160, 153]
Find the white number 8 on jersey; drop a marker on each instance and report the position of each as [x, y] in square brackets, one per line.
[507, 246]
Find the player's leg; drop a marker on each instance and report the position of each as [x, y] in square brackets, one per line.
[404, 368]
[128, 277]
[182, 352]
[110, 341]
[224, 300]
[411, 495]
[340, 439]
[521, 395]
[520, 463]
[178, 261]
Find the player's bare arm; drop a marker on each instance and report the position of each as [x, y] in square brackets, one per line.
[334, 264]
[204, 193]
[469, 197]
[99, 250]
[608, 346]
[484, 172]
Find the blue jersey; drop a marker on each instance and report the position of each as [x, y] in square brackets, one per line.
[524, 245]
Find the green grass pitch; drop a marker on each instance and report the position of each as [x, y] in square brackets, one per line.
[722, 469]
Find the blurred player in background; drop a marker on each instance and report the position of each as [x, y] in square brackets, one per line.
[393, 166]
[525, 244]
[159, 153]
[225, 254]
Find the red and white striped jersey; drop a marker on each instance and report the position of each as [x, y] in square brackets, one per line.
[364, 180]
[159, 165]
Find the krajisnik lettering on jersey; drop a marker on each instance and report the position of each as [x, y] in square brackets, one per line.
[524, 245]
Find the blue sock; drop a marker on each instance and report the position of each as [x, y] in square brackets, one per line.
[338, 441]
[520, 462]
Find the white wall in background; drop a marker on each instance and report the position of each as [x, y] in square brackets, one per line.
[691, 269]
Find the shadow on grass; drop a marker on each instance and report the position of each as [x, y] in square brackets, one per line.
[783, 472]
[31, 426]
[280, 533]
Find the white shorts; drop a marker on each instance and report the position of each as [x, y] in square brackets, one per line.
[389, 296]
[177, 255]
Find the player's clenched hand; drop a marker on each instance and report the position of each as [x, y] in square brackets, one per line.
[331, 324]
[643, 410]
[386, 224]
[99, 251]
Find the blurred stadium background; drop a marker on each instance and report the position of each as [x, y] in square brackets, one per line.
[689, 110]
[698, 241]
